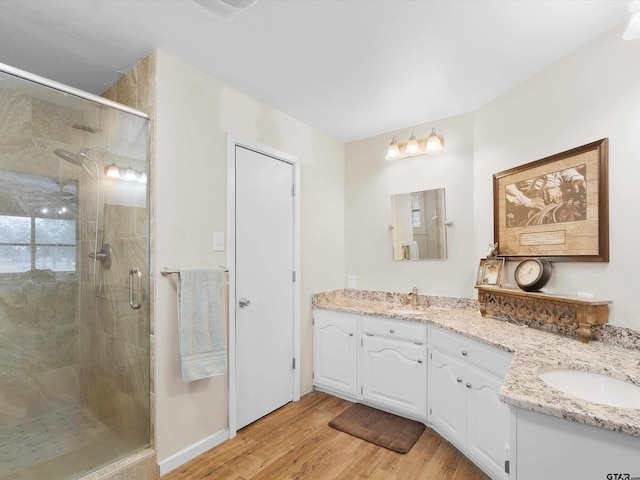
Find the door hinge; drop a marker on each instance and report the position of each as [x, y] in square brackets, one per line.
[361, 390]
[293, 190]
[294, 363]
[361, 343]
[506, 466]
[294, 276]
[430, 412]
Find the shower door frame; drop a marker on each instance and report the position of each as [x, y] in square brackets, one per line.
[65, 89]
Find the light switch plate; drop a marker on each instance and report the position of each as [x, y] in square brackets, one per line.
[218, 241]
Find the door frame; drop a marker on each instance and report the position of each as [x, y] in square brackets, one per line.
[232, 143]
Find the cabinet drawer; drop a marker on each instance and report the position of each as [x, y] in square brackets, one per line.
[415, 332]
[346, 321]
[487, 358]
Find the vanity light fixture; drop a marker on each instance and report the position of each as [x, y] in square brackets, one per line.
[128, 174]
[432, 144]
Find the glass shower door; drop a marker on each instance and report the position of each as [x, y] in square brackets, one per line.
[74, 354]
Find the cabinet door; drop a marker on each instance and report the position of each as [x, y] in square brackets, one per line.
[335, 350]
[394, 375]
[448, 396]
[487, 422]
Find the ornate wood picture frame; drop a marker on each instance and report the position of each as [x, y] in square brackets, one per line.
[490, 271]
[556, 207]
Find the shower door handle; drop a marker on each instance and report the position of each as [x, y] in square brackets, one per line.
[137, 273]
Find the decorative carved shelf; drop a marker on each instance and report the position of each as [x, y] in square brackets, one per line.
[566, 315]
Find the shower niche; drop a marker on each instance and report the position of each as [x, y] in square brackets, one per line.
[74, 373]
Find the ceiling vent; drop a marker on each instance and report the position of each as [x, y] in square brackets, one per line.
[226, 9]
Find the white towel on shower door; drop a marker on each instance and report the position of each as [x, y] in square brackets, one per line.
[202, 323]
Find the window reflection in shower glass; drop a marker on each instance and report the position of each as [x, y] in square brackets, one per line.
[15, 244]
[52, 247]
[55, 244]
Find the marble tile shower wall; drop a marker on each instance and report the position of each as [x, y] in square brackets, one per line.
[115, 374]
[38, 346]
[39, 311]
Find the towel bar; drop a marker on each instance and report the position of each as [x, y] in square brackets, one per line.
[168, 271]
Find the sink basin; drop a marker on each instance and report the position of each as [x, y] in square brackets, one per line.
[594, 387]
[405, 311]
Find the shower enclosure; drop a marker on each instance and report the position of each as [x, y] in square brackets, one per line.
[74, 291]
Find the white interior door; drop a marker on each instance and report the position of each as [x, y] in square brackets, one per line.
[264, 267]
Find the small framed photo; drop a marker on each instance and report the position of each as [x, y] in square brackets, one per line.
[490, 271]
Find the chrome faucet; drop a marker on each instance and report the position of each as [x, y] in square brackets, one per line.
[414, 297]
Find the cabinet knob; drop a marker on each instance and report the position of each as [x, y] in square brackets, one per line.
[464, 353]
[468, 385]
[351, 334]
[419, 360]
[459, 380]
[391, 330]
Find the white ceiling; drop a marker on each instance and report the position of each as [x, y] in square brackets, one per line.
[353, 68]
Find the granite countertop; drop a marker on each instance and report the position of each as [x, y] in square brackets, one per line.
[533, 351]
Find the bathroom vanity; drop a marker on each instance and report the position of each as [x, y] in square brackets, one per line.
[373, 360]
[475, 380]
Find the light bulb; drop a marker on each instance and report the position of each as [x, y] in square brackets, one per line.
[112, 171]
[434, 143]
[412, 145]
[143, 177]
[393, 151]
[130, 175]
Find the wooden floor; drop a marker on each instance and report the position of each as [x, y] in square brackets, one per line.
[295, 442]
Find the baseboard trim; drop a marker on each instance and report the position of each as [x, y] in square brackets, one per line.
[183, 456]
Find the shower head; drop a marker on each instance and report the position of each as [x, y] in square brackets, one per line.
[78, 159]
[68, 156]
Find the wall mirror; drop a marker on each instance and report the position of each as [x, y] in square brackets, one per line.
[418, 225]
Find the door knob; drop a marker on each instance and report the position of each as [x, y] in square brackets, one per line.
[243, 302]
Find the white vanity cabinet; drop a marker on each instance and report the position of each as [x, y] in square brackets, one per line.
[335, 350]
[465, 378]
[394, 366]
[374, 360]
[552, 447]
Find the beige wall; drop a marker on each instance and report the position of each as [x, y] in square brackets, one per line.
[588, 95]
[371, 180]
[195, 112]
